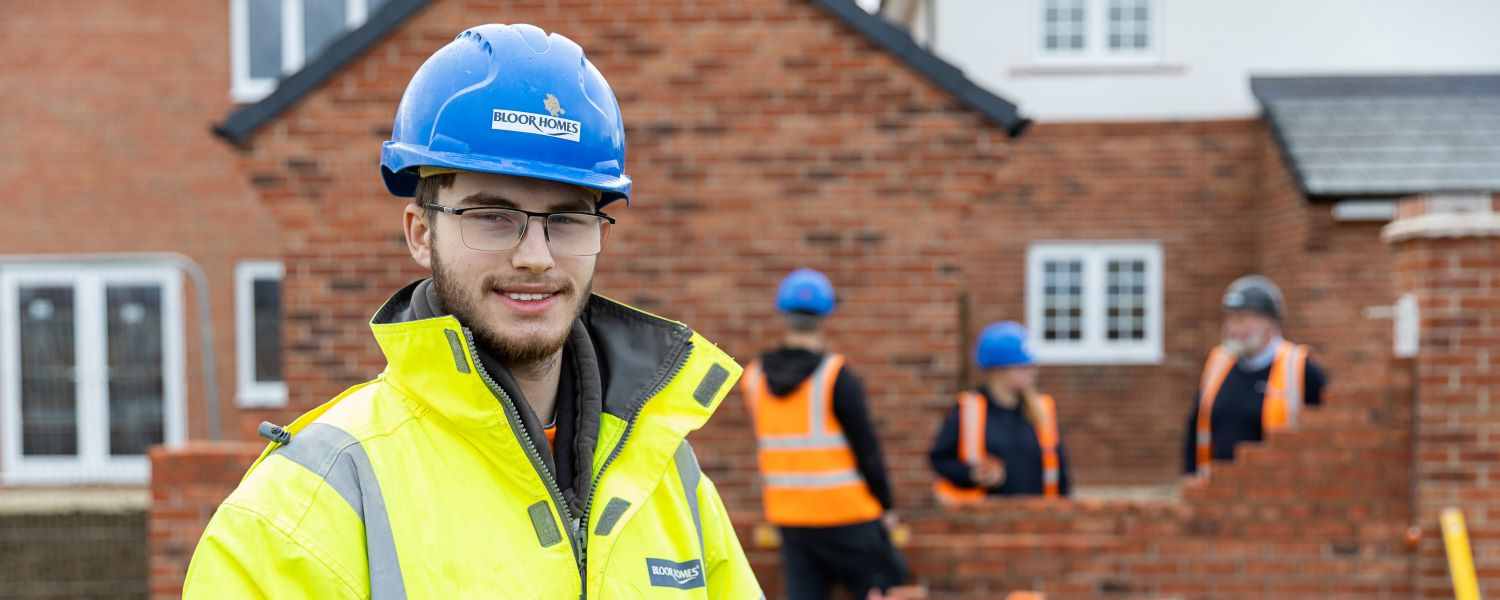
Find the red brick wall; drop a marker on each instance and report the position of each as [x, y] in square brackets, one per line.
[1319, 513]
[1453, 279]
[187, 485]
[107, 149]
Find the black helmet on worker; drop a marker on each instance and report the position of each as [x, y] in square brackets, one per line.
[1255, 294]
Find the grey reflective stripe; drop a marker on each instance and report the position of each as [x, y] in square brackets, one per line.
[814, 480]
[460, 359]
[1050, 476]
[1295, 357]
[611, 515]
[547, 533]
[800, 442]
[817, 400]
[687, 470]
[334, 455]
[971, 430]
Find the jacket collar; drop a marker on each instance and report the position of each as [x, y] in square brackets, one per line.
[649, 365]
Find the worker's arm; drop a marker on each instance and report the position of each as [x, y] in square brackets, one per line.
[1313, 383]
[1064, 478]
[944, 455]
[243, 555]
[728, 571]
[850, 409]
[1190, 441]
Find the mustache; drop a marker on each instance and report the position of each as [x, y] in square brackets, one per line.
[494, 282]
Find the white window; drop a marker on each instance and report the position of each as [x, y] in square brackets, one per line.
[1095, 302]
[91, 371]
[257, 310]
[1099, 30]
[271, 38]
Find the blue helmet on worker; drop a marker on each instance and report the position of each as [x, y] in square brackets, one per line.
[1003, 345]
[806, 291]
[512, 100]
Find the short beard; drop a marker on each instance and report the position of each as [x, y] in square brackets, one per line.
[1246, 348]
[518, 356]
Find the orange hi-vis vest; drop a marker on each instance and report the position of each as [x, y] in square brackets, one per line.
[973, 414]
[809, 473]
[1282, 404]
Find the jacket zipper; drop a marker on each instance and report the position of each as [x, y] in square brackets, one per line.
[635, 412]
[514, 416]
[578, 536]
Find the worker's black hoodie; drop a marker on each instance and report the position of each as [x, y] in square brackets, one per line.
[787, 368]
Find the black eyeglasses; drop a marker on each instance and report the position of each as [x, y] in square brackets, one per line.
[495, 229]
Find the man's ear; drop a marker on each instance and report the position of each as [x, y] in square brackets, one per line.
[418, 234]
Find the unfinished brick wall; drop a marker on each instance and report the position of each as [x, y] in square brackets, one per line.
[187, 485]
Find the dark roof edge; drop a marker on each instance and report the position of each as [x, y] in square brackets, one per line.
[1396, 194]
[949, 78]
[242, 123]
[1284, 150]
[245, 120]
[1269, 88]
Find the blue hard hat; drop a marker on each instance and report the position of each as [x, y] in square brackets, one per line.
[805, 291]
[1003, 345]
[514, 100]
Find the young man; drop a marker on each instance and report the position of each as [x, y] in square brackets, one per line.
[823, 479]
[527, 437]
[1253, 382]
[1002, 438]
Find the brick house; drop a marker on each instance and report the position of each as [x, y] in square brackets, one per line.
[138, 271]
[772, 134]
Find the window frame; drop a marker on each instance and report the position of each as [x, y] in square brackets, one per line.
[93, 463]
[249, 391]
[246, 89]
[1094, 347]
[1096, 49]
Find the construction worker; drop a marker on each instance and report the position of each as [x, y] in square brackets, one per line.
[1253, 382]
[824, 482]
[1002, 438]
[526, 437]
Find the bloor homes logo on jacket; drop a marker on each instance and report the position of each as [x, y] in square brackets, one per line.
[551, 125]
[680, 575]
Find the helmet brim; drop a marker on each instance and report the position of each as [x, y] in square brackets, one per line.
[399, 163]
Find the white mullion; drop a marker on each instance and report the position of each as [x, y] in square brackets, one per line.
[1095, 299]
[90, 350]
[10, 326]
[291, 36]
[174, 413]
[239, 42]
[1155, 306]
[1097, 35]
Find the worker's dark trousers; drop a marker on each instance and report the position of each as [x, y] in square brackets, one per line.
[857, 557]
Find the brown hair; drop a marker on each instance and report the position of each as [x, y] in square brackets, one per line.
[427, 190]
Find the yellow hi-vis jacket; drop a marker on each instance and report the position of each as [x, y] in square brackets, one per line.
[424, 484]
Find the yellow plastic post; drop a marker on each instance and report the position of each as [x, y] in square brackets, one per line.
[766, 536]
[1460, 556]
